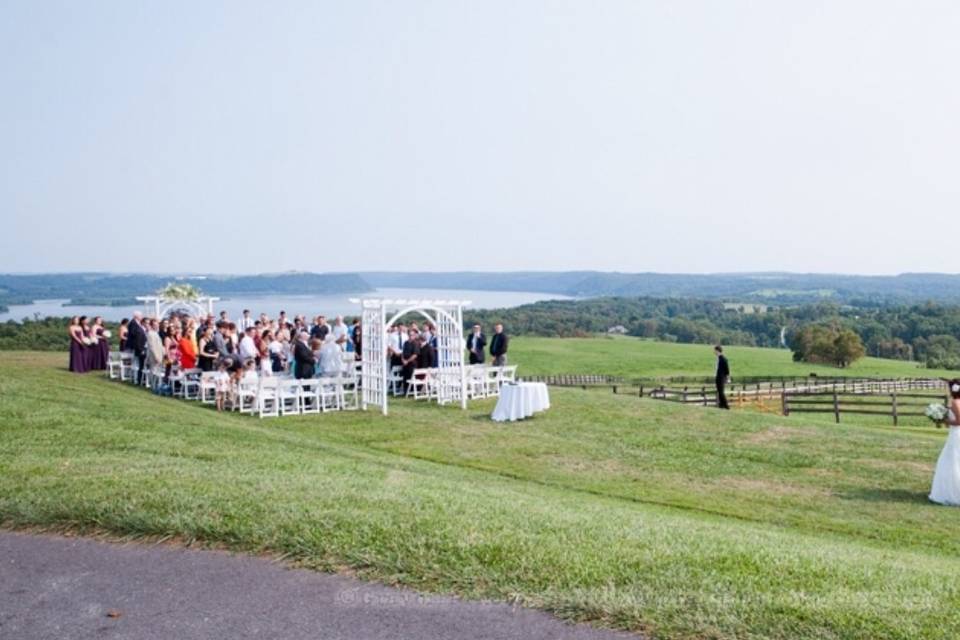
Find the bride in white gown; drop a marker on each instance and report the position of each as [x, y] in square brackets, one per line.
[946, 479]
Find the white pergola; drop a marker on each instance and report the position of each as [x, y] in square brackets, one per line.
[378, 314]
[201, 305]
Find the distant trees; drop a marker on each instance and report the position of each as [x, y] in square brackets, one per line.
[827, 344]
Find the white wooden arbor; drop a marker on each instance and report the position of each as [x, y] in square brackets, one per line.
[199, 306]
[377, 315]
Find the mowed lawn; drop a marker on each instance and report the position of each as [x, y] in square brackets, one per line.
[637, 358]
[681, 522]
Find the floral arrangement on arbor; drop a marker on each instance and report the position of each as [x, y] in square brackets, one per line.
[179, 291]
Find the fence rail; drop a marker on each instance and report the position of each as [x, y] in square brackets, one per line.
[865, 396]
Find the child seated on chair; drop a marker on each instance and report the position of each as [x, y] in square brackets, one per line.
[224, 386]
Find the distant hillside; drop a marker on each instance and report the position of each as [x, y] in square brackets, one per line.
[769, 288]
[105, 287]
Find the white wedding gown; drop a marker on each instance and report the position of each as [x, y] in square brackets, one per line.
[946, 479]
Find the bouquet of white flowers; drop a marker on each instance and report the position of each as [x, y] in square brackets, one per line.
[106, 333]
[937, 413]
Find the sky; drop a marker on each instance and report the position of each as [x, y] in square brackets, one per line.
[674, 136]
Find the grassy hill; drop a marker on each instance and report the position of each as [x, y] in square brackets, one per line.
[635, 358]
[678, 521]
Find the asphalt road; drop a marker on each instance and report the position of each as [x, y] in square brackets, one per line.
[56, 587]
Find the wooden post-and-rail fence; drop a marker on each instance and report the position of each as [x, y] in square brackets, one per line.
[794, 395]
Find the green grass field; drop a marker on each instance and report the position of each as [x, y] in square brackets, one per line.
[636, 358]
[682, 522]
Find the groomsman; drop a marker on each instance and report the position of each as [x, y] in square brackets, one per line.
[476, 343]
[723, 376]
[498, 346]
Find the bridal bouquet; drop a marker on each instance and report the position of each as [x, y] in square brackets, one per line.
[937, 413]
[107, 334]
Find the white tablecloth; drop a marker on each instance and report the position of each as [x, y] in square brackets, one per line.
[519, 401]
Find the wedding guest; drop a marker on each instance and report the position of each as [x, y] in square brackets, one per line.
[171, 351]
[394, 348]
[246, 321]
[428, 354]
[476, 343]
[358, 341]
[154, 345]
[275, 352]
[248, 348]
[77, 346]
[408, 357]
[498, 346]
[122, 334]
[222, 380]
[303, 357]
[723, 376]
[188, 350]
[221, 340]
[340, 331]
[223, 316]
[207, 353]
[137, 343]
[320, 329]
[331, 361]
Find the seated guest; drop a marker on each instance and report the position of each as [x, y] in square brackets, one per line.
[394, 347]
[303, 357]
[476, 343]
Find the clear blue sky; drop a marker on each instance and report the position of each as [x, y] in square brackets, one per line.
[637, 135]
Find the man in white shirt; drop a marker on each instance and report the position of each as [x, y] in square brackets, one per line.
[248, 348]
[246, 321]
[394, 348]
[340, 331]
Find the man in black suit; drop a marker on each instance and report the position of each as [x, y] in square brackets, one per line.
[498, 346]
[723, 376]
[303, 357]
[476, 343]
[409, 356]
[137, 342]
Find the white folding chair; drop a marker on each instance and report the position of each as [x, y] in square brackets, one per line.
[267, 403]
[114, 365]
[208, 387]
[288, 396]
[246, 395]
[395, 381]
[347, 391]
[126, 366]
[328, 392]
[309, 396]
[190, 384]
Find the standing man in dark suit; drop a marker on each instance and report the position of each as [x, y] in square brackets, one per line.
[137, 342]
[409, 357]
[476, 343]
[723, 376]
[498, 346]
[303, 357]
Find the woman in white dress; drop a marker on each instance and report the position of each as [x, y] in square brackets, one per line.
[946, 479]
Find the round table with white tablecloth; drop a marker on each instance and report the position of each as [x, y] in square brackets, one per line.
[521, 400]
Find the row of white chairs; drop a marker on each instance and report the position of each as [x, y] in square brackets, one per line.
[266, 396]
[481, 381]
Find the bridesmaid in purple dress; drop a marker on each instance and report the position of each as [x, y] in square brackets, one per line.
[101, 350]
[78, 355]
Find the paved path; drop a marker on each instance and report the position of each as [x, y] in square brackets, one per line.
[54, 587]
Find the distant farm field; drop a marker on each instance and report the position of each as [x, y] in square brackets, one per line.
[681, 522]
[636, 358]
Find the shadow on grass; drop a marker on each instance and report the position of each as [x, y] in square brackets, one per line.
[886, 495]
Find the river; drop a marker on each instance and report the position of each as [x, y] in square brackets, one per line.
[309, 305]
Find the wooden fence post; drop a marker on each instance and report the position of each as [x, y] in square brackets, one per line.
[894, 396]
[836, 404]
[786, 404]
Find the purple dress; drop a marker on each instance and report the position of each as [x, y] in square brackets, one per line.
[79, 360]
[103, 344]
